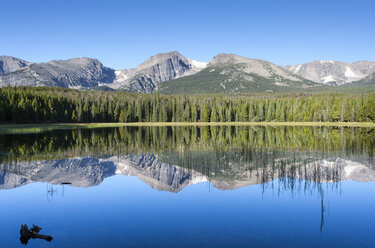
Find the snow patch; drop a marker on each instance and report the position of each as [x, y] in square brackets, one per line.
[198, 64]
[281, 84]
[349, 169]
[198, 179]
[350, 74]
[296, 68]
[328, 78]
[75, 87]
[326, 61]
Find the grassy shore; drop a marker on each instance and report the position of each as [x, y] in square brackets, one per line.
[36, 128]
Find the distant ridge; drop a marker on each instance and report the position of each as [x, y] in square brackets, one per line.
[231, 73]
[333, 72]
[171, 72]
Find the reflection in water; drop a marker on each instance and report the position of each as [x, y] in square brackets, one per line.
[171, 172]
[175, 157]
[133, 140]
[295, 160]
[32, 233]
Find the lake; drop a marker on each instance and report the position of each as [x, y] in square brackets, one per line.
[190, 187]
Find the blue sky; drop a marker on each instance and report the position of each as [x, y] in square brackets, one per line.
[123, 34]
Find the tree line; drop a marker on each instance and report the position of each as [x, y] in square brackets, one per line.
[57, 105]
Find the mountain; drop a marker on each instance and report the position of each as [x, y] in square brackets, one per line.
[231, 73]
[159, 68]
[9, 64]
[333, 72]
[71, 73]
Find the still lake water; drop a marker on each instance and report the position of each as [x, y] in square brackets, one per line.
[190, 187]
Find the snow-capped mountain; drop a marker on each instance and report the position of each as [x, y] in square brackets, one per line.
[333, 72]
[159, 68]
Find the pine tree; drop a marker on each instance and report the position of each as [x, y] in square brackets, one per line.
[194, 113]
[244, 113]
[139, 111]
[163, 117]
[155, 114]
[186, 115]
[122, 117]
[93, 113]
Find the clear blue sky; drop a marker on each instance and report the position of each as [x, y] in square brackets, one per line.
[122, 34]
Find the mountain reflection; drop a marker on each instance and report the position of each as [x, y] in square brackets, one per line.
[225, 170]
[172, 158]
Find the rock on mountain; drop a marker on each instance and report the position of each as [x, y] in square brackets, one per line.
[71, 73]
[9, 64]
[232, 73]
[333, 72]
[159, 68]
[173, 73]
[369, 80]
[86, 73]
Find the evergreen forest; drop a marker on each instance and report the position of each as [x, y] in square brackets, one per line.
[58, 105]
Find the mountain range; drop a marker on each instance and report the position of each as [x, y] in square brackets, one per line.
[173, 73]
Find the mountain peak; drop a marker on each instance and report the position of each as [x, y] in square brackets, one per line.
[160, 57]
[224, 58]
[9, 64]
[77, 61]
[158, 68]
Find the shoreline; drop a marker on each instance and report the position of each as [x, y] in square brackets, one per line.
[32, 128]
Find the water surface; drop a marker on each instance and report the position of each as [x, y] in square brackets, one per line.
[189, 187]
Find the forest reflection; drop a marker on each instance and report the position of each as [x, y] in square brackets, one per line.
[125, 140]
[174, 157]
[309, 161]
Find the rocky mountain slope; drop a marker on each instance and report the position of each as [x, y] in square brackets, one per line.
[71, 73]
[333, 72]
[173, 73]
[369, 80]
[87, 73]
[159, 68]
[9, 64]
[231, 73]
